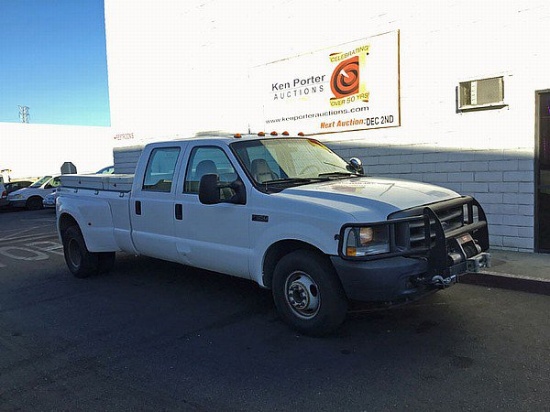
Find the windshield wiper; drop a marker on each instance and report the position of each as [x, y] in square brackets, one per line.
[292, 180]
[337, 174]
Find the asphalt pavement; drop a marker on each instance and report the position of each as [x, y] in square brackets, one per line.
[155, 335]
[526, 272]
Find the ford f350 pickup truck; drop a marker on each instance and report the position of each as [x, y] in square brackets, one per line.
[285, 212]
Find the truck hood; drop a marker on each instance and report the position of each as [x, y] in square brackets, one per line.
[369, 198]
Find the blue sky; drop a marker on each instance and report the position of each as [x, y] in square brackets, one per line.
[53, 60]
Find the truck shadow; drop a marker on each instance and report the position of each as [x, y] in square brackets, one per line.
[221, 293]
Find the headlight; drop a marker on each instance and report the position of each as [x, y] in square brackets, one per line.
[15, 197]
[367, 240]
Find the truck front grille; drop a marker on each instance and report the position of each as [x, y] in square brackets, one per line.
[453, 217]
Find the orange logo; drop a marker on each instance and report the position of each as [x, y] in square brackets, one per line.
[345, 78]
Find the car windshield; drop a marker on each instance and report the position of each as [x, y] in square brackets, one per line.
[41, 181]
[106, 170]
[287, 161]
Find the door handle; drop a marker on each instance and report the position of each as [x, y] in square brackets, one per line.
[138, 207]
[178, 211]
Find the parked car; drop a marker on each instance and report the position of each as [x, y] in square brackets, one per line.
[109, 170]
[3, 194]
[32, 197]
[19, 184]
[49, 200]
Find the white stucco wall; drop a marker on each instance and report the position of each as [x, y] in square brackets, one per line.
[182, 66]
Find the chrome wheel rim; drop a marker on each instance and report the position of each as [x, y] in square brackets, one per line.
[302, 295]
[75, 257]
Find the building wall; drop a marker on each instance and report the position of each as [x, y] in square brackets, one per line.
[488, 154]
[500, 181]
[179, 67]
[34, 150]
[182, 67]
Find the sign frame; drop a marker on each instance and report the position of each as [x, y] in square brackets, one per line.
[350, 87]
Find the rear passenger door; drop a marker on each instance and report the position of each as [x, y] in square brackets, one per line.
[152, 210]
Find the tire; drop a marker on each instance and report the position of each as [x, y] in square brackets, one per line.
[80, 261]
[308, 294]
[34, 203]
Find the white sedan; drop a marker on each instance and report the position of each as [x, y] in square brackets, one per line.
[32, 197]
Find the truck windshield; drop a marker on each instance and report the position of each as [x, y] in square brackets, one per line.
[289, 161]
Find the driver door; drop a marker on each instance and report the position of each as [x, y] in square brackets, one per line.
[214, 237]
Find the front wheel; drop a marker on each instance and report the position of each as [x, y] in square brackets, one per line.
[308, 293]
[34, 203]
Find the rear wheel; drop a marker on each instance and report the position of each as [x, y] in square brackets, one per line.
[308, 293]
[80, 261]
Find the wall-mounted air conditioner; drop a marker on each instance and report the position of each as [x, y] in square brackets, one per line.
[481, 94]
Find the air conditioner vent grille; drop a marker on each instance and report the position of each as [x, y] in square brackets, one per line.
[482, 93]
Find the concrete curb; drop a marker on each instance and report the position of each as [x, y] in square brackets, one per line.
[505, 281]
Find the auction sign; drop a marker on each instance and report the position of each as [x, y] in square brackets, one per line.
[353, 86]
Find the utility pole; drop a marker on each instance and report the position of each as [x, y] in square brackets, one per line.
[24, 114]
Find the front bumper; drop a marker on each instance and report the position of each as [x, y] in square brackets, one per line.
[48, 203]
[379, 280]
[399, 278]
[429, 247]
[18, 203]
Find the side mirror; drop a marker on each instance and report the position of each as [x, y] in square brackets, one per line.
[209, 191]
[356, 165]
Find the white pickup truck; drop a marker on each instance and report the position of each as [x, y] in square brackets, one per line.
[285, 212]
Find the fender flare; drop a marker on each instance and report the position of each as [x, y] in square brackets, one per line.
[288, 237]
[94, 219]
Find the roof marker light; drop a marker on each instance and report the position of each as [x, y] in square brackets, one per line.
[261, 134]
[285, 133]
[301, 134]
[237, 136]
[274, 133]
